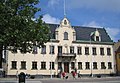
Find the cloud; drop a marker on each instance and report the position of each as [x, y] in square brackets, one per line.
[51, 3]
[49, 19]
[92, 24]
[102, 5]
[113, 32]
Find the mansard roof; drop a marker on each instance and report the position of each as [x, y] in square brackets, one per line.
[83, 33]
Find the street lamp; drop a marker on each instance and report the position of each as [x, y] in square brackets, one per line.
[91, 57]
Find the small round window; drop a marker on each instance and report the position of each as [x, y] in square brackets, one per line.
[65, 22]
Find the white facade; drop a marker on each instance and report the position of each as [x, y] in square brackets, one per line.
[65, 52]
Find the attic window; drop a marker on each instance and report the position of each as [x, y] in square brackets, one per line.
[65, 22]
[97, 38]
[65, 36]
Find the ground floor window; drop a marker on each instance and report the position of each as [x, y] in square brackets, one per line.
[52, 65]
[94, 65]
[23, 64]
[43, 65]
[79, 65]
[72, 65]
[59, 65]
[14, 65]
[34, 65]
[87, 64]
[109, 65]
[103, 65]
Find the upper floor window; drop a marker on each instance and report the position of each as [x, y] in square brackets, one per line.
[43, 50]
[94, 65]
[108, 51]
[94, 51]
[79, 50]
[87, 65]
[86, 50]
[97, 38]
[101, 51]
[52, 65]
[65, 36]
[51, 49]
[43, 65]
[109, 65]
[34, 50]
[103, 65]
[65, 22]
[71, 49]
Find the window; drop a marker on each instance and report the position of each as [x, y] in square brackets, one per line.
[51, 49]
[87, 65]
[97, 38]
[86, 50]
[34, 49]
[103, 65]
[94, 65]
[53, 65]
[74, 35]
[119, 56]
[94, 51]
[14, 50]
[71, 50]
[23, 64]
[65, 36]
[34, 65]
[79, 50]
[79, 65]
[108, 51]
[60, 65]
[14, 65]
[59, 50]
[65, 22]
[101, 51]
[43, 65]
[72, 65]
[43, 50]
[109, 65]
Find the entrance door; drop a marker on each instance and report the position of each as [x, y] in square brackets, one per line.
[66, 67]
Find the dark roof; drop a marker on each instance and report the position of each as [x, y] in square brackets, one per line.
[118, 50]
[83, 33]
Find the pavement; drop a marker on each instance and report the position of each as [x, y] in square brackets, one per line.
[60, 80]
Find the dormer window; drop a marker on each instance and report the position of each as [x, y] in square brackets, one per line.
[65, 22]
[97, 38]
[65, 36]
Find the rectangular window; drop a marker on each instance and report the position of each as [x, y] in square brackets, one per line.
[72, 65]
[101, 51]
[34, 65]
[34, 50]
[60, 50]
[60, 65]
[94, 51]
[79, 65]
[23, 64]
[43, 65]
[103, 65]
[87, 65]
[14, 65]
[94, 65]
[97, 38]
[71, 50]
[53, 65]
[109, 65]
[108, 51]
[43, 50]
[86, 50]
[79, 50]
[51, 49]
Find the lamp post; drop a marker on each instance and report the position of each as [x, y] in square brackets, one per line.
[91, 58]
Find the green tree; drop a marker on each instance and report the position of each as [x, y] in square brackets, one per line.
[18, 30]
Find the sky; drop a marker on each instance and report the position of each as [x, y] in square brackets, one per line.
[90, 13]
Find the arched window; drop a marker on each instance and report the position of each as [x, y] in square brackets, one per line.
[65, 36]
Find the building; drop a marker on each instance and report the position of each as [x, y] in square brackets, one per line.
[88, 50]
[117, 56]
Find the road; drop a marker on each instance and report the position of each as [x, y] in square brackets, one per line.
[56, 80]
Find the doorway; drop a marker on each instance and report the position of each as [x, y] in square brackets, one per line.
[66, 67]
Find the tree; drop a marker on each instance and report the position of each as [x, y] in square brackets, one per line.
[18, 30]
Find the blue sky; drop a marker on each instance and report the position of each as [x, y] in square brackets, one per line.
[92, 13]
